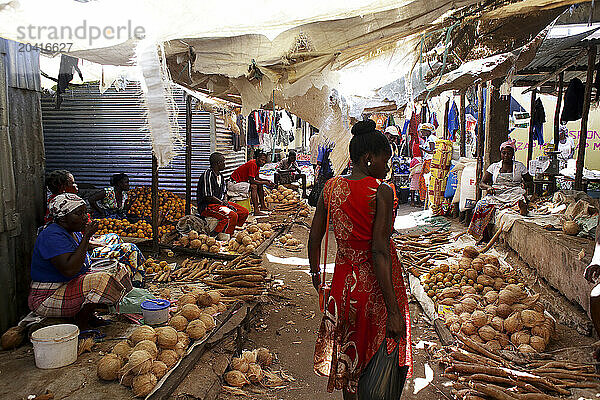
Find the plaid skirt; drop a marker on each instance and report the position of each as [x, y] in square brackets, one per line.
[65, 299]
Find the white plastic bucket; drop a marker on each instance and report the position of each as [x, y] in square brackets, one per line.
[55, 346]
[156, 311]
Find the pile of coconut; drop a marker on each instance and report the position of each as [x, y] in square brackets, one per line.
[250, 238]
[252, 368]
[202, 242]
[490, 310]
[149, 353]
[283, 195]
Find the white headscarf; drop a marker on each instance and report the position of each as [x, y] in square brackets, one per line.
[64, 204]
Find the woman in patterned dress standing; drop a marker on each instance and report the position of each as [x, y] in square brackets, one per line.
[368, 302]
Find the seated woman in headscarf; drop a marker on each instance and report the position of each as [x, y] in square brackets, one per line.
[503, 182]
[111, 202]
[59, 181]
[62, 283]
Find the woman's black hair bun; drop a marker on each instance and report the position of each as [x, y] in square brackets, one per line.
[363, 127]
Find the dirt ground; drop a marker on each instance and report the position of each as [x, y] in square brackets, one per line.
[287, 326]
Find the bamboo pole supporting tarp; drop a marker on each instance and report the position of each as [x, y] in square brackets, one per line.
[480, 119]
[530, 139]
[188, 154]
[154, 195]
[557, 110]
[463, 124]
[584, 118]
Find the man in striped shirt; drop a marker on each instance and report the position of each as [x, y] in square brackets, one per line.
[212, 199]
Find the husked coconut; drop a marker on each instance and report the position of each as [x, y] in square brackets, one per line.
[478, 318]
[487, 333]
[148, 346]
[179, 322]
[519, 338]
[159, 369]
[537, 343]
[240, 364]
[108, 367]
[236, 379]
[190, 312]
[196, 329]
[513, 323]
[143, 384]
[143, 332]
[166, 337]
[169, 357]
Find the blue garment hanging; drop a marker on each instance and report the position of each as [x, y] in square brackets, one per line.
[453, 121]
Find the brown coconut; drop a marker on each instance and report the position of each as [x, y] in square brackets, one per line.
[469, 304]
[513, 323]
[179, 322]
[249, 356]
[532, 318]
[537, 343]
[571, 227]
[187, 298]
[264, 357]
[159, 369]
[504, 340]
[208, 320]
[12, 338]
[485, 280]
[221, 307]
[183, 338]
[166, 337]
[240, 364]
[487, 333]
[169, 357]
[126, 378]
[525, 349]
[140, 362]
[108, 367]
[491, 309]
[142, 385]
[478, 318]
[503, 310]
[507, 297]
[491, 297]
[477, 264]
[122, 349]
[498, 284]
[468, 289]
[471, 274]
[468, 328]
[204, 300]
[465, 262]
[235, 378]
[493, 345]
[497, 323]
[143, 332]
[455, 327]
[470, 252]
[519, 338]
[255, 373]
[190, 312]
[148, 346]
[180, 349]
[196, 329]
[543, 332]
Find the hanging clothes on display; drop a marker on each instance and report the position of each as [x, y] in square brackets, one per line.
[573, 108]
[538, 119]
[453, 121]
[413, 131]
[252, 131]
[240, 124]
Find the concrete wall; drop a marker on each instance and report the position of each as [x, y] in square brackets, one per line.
[555, 257]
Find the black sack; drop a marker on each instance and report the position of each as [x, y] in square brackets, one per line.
[383, 378]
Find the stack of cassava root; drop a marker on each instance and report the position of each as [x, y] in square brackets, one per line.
[419, 251]
[243, 278]
[482, 374]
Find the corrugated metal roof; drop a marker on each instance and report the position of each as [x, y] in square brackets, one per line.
[22, 65]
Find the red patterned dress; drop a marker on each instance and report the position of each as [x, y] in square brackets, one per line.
[354, 323]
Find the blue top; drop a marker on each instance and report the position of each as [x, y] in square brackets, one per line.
[155, 305]
[51, 242]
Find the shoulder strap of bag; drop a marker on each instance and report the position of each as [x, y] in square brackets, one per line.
[324, 273]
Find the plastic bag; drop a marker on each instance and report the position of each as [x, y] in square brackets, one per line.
[383, 378]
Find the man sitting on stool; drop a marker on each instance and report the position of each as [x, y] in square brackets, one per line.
[212, 201]
[288, 171]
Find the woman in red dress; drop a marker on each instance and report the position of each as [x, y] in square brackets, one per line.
[368, 301]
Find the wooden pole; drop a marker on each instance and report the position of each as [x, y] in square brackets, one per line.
[447, 109]
[188, 154]
[463, 124]
[480, 130]
[557, 111]
[154, 196]
[531, 109]
[584, 118]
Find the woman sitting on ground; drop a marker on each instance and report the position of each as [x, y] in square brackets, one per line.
[58, 182]
[62, 284]
[111, 202]
[368, 301]
[503, 182]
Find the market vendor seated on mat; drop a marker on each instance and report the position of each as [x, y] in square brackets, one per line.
[245, 179]
[288, 171]
[112, 202]
[62, 284]
[212, 201]
[503, 182]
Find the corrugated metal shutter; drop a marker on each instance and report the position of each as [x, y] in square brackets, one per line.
[94, 135]
[224, 144]
[22, 65]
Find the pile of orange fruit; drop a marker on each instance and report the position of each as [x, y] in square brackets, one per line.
[124, 228]
[171, 207]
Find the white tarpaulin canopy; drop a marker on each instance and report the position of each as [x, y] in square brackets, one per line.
[301, 49]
